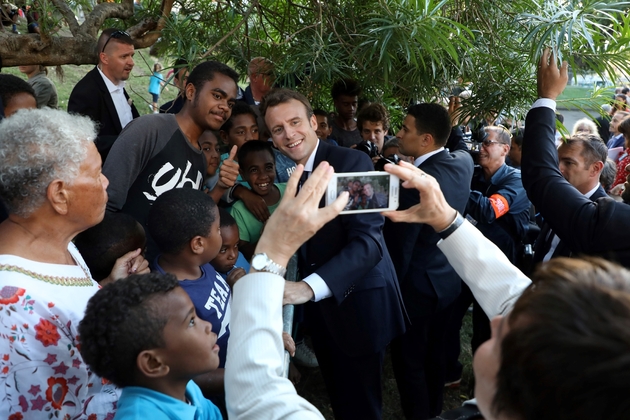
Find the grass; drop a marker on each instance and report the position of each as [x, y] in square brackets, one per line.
[584, 97]
[136, 86]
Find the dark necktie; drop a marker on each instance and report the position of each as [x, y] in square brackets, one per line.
[303, 179]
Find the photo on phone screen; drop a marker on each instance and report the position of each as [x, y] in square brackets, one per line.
[368, 191]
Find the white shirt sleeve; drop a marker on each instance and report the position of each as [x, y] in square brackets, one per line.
[254, 386]
[319, 286]
[545, 102]
[493, 280]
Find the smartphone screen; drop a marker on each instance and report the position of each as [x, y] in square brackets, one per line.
[368, 191]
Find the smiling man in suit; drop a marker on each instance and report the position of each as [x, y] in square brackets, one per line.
[429, 284]
[353, 304]
[101, 93]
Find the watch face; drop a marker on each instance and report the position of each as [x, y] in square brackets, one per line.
[259, 261]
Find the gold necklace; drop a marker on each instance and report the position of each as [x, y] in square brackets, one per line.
[60, 281]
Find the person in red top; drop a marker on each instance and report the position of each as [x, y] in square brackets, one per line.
[624, 159]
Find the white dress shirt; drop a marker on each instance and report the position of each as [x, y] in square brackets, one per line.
[123, 108]
[555, 241]
[426, 156]
[315, 281]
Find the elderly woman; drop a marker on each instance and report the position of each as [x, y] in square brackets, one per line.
[584, 126]
[53, 188]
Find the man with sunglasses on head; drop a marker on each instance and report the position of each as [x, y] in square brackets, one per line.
[101, 93]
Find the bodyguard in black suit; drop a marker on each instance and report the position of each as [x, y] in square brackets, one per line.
[590, 227]
[581, 160]
[429, 284]
[346, 270]
[91, 96]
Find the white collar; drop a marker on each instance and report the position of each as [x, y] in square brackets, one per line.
[426, 156]
[111, 87]
[308, 166]
[591, 192]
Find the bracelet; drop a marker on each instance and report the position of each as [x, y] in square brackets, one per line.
[455, 224]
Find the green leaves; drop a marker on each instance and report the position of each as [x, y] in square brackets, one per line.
[404, 51]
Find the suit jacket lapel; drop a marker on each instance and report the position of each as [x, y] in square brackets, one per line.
[107, 97]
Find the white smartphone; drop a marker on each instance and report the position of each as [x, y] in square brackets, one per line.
[369, 191]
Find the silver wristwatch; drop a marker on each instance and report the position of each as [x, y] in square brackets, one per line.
[261, 262]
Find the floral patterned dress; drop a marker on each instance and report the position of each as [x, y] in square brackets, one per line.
[42, 373]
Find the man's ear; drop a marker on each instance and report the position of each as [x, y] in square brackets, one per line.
[197, 245]
[57, 196]
[427, 140]
[151, 364]
[103, 58]
[314, 122]
[597, 168]
[190, 91]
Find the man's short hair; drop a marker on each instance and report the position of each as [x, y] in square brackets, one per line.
[374, 113]
[106, 38]
[348, 87]
[503, 135]
[239, 108]
[177, 216]
[122, 320]
[280, 96]
[11, 85]
[566, 353]
[593, 148]
[433, 119]
[260, 65]
[204, 72]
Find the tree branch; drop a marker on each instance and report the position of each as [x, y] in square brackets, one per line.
[102, 11]
[68, 16]
[147, 31]
[226, 36]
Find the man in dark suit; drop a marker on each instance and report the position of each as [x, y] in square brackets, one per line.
[353, 304]
[429, 284]
[582, 160]
[101, 93]
[596, 228]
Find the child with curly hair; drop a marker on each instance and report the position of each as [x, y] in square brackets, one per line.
[143, 335]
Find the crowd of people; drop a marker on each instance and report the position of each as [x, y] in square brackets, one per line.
[127, 243]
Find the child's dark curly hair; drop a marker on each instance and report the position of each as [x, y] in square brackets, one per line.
[122, 320]
[179, 215]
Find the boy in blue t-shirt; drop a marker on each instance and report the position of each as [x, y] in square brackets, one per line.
[143, 335]
[230, 262]
[184, 223]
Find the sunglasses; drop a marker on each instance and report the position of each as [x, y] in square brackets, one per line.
[488, 143]
[115, 35]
